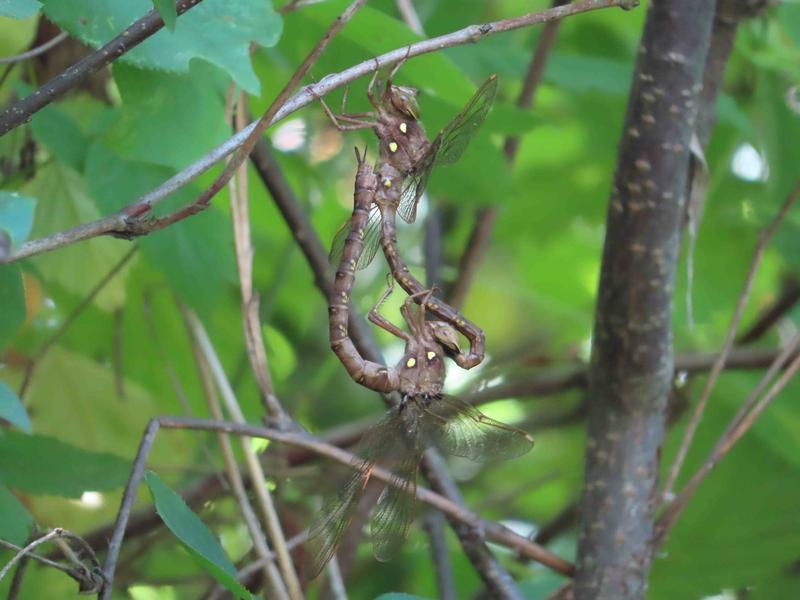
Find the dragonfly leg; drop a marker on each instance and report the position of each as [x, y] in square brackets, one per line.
[371, 87]
[381, 321]
[393, 72]
[353, 123]
[416, 322]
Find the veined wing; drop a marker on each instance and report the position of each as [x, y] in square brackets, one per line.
[462, 430]
[448, 146]
[338, 510]
[336, 514]
[371, 241]
[391, 519]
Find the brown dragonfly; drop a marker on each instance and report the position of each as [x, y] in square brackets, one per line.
[424, 418]
[405, 160]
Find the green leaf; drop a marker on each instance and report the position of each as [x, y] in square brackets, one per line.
[571, 72]
[63, 202]
[217, 31]
[44, 465]
[161, 112]
[16, 216]
[282, 357]
[62, 135]
[19, 9]
[11, 409]
[15, 520]
[166, 8]
[399, 596]
[194, 535]
[195, 255]
[12, 301]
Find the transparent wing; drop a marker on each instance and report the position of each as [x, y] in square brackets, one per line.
[339, 508]
[336, 514]
[451, 142]
[462, 430]
[448, 146]
[391, 520]
[371, 242]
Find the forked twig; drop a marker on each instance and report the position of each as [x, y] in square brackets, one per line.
[741, 423]
[764, 238]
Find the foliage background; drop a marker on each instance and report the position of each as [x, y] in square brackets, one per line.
[534, 294]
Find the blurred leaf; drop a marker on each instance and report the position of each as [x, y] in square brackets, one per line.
[584, 74]
[194, 535]
[15, 520]
[217, 31]
[16, 217]
[45, 465]
[195, 255]
[166, 8]
[398, 596]
[19, 9]
[11, 409]
[168, 119]
[54, 128]
[280, 353]
[63, 202]
[12, 299]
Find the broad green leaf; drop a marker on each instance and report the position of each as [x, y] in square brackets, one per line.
[15, 520]
[76, 398]
[168, 119]
[194, 535]
[166, 8]
[195, 255]
[57, 130]
[16, 217]
[19, 9]
[281, 354]
[571, 73]
[12, 301]
[63, 202]
[11, 409]
[44, 465]
[217, 31]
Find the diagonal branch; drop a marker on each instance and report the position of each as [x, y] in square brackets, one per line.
[20, 112]
[130, 221]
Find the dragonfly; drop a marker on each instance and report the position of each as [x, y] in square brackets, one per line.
[425, 417]
[403, 167]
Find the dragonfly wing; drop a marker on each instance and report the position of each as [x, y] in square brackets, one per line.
[392, 518]
[465, 431]
[414, 185]
[371, 241]
[337, 512]
[338, 509]
[456, 135]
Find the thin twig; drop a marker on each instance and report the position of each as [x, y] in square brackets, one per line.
[788, 299]
[254, 339]
[442, 566]
[20, 112]
[739, 425]
[41, 49]
[70, 319]
[485, 217]
[129, 220]
[260, 487]
[764, 239]
[410, 16]
[271, 573]
[57, 532]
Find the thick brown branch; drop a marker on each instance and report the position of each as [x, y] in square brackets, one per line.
[632, 364]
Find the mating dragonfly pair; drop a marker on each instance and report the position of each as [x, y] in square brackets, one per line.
[424, 417]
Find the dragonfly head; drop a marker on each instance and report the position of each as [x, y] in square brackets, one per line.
[404, 99]
[445, 335]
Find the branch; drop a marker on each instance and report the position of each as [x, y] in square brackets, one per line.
[632, 365]
[34, 52]
[442, 566]
[129, 221]
[788, 299]
[494, 531]
[764, 238]
[741, 423]
[20, 112]
[485, 217]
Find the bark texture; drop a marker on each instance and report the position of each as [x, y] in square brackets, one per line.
[632, 362]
